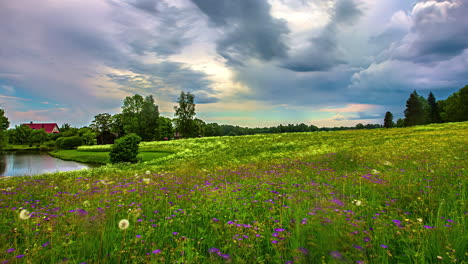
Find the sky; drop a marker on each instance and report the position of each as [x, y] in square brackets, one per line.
[250, 63]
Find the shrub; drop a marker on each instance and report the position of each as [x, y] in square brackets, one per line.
[125, 149]
[69, 142]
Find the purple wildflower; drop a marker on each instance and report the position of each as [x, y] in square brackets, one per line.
[157, 251]
[274, 241]
[138, 236]
[10, 250]
[175, 233]
[213, 250]
[428, 227]
[20, 256]
[336, 254]
[215, 219]
[383, 246]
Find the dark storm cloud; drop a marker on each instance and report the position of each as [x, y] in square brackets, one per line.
[153, 26]
[323, 52]
[248, 29]
[439, 32]
[166, 79]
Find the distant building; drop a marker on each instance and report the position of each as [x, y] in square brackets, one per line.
[48, 127]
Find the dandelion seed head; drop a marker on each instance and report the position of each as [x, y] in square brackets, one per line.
[124, 224]
[24, 214]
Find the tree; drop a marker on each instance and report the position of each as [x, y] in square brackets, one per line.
[102, 125]
[125, 149]
[140, 116]
[165, 128]
[455, 107]
[20, 135]
[4, 124]
[388, 120]
[414, 113]
[400, 123]
[131, 110]
[149, 115]
[434, 114]
[185, 113]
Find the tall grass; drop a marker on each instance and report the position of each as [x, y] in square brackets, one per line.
[380, 196]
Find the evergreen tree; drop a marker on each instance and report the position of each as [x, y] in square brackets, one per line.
[388, 120]
[185, 114]
[415, 114]
[434, 114]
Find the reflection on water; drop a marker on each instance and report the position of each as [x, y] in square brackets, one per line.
[32, 163]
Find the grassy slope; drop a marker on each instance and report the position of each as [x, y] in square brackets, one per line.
[255, 199]
[101, 157]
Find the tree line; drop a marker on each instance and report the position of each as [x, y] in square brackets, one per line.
[422, 111]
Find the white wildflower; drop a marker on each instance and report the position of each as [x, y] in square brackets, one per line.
[124, 224]
[24, 214]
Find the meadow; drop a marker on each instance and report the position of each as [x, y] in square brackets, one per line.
[364, 196]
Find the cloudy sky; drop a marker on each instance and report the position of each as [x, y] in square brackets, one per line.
[248, 62]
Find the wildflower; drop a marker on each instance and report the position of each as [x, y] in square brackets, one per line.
[146, 180]
[147, 172]
[175, 233]
[124, 224]
[439, 257]
[24, 214]
[383, 246]
[157, 251]
[274, 241]
[86, 203]
[10, 250]
[428, 227]
[213, 250]
[357, 202]
[419, 220]
[20, 256]
[336, 254]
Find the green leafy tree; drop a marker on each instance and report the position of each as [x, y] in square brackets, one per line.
[150, 117]
[88, 136]
[434, 113]
[131, 110]
[140, 116]
[117, 126]
[165, 128]
[38, 136]
[125, 149]
[4, 124]
[388, 120]
[185, 114]
[455, 107]
[102, 126]
[415, 112]
[212, 130]
[400, 123]
[20, 135]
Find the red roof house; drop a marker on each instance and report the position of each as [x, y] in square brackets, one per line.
[48, 127]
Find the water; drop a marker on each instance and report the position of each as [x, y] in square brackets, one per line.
[33, 163]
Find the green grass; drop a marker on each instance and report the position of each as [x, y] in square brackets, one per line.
[101, 157]
[376, 196]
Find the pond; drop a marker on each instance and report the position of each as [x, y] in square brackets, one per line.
[33, 163]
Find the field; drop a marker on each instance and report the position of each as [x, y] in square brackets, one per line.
[364, 196]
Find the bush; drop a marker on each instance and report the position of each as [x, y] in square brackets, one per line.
[125, 149]
[69, 142]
